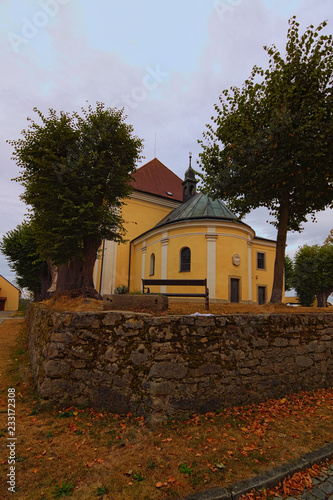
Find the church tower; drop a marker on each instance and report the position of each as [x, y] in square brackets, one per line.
[189, 183]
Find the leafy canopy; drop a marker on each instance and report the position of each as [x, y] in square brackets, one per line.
[19, 247]
[313, 272]
[270, 143]
[76, 171]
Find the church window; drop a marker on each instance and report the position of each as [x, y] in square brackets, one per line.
[152, 265]
[185, 260]
[261, 260]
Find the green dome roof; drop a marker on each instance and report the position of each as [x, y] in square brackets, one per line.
[199, 206]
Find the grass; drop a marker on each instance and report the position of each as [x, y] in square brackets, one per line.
[82, 453]
[79, 304]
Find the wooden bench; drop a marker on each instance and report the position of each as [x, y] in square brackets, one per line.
[178, 282]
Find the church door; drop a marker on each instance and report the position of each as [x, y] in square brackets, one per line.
[234, 290]
[261, 294]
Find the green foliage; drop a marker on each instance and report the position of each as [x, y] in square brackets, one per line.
[102, 490]
[121, 289]
[185, 469]
[64, 490]
[329, 239]
[288, 273]
[270, 143]
[75, 171]
[19, 247]
[65, 414]
[272, 138]
[313, 273]
[151, 464]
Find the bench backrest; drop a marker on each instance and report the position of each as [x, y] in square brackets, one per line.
[175, 282]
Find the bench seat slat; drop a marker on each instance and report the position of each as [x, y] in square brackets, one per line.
[184, 294]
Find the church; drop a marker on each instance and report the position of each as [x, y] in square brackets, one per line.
[175, 232]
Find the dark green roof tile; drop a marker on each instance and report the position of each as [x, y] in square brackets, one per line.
[199, 206]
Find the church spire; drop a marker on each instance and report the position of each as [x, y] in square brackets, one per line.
[189, 181]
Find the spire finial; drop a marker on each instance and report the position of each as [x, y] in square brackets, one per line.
[189, 181]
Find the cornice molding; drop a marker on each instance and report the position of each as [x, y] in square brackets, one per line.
[157, 200]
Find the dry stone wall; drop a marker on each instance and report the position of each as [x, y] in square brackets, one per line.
[168, 367]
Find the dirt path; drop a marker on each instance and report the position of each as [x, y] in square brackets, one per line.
[9, 331]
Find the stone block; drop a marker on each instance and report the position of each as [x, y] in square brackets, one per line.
[111, 354]
[280, 342]
[304, 361]
[124, 302]
[104, 397]
[62, 337]
[259, 342]
[203, 370]
[168, 370]
[161, 388]
[56, 369]
[140, 357]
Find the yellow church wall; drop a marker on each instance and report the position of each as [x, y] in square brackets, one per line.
[195, 240]
[232, 241]
[263, 277]
[140, 216]
[151, 246]
[140, 212]
[11, 293]
[175, 239]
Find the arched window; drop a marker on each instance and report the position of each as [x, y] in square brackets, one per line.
[152, 265]
[185, 260]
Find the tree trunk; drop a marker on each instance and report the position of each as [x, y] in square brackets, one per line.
[76, 277]
[45, 282]
[322, 297]
[277, 290]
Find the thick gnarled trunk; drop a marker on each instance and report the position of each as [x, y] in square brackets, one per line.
[76, 277]
[322, 298]
[277, 290]
[45, 282]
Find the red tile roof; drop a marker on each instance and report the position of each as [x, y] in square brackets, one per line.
[155, 178]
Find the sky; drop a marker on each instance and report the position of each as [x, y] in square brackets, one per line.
[166, 63]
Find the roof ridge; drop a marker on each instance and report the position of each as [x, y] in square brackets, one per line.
[159, 161]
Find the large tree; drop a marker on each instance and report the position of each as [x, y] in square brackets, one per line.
[288, 273]
[329, 239]
[270, 143]
[19, 247]
[313, 274]
[76, 172]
